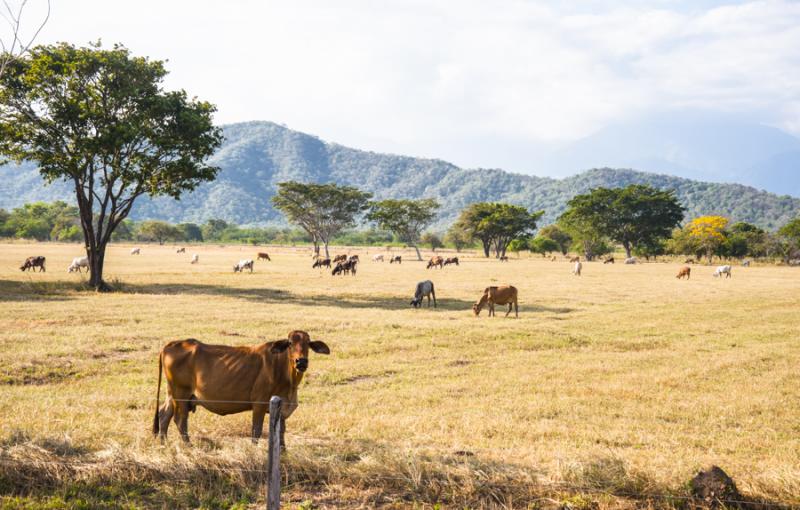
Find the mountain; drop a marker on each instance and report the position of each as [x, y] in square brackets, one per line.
[257, 155]
[698, 145]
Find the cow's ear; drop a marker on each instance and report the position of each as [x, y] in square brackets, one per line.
[280, 346]
[320, 347]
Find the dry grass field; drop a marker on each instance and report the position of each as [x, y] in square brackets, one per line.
[611, 390]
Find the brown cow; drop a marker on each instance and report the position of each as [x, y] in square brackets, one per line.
[354, 257]
[503, 258]
[609, 260]
[263, 256]
[321, 263]
[685, 271]
[436, 261]
[228, 380]
[451, 260]
[575, 259]
[397, 259]
[339, 258]
[506, 295]
[32, 263]
[180, 250]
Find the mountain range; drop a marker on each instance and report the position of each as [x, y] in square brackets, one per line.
[257, 155]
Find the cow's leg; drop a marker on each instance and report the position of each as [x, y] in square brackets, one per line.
[165, 414]
[510, 305]
[181, 410]
[259, 411]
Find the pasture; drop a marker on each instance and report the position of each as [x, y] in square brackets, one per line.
[611, 389]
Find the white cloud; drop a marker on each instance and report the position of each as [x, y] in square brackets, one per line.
[434, 78]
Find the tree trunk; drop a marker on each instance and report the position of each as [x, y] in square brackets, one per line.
[486, 248]
[327, 255]
[96, 261]
[419, 255]
[627, 247]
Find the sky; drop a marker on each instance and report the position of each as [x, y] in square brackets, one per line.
[468, 81]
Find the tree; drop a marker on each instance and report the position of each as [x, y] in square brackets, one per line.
[560, 236]
[431, 240]
[457, 237]
[158, 231]
[15, 44]
[405, 218]
[101, 120]
[497, 224]
[518, 245]
[708, 232]
[635, 216]
[322, 210]
[543, 245]
[584, 235]
[212, 229]
[791, 233]
[190, 232]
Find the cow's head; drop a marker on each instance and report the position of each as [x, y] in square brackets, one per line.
[416, 302]
[297, 347]
[477, 307]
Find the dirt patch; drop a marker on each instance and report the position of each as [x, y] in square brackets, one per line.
[363, 377]
[37, 373]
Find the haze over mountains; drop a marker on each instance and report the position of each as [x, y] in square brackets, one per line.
[257, 155]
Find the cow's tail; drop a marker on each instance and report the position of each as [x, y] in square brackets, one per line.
[156, 428]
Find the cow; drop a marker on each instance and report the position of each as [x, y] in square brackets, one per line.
[78, 263]
[451, 260]
[631, 260]
[609, 260]
[180, 250]
[377, 258]
[503, 258]
[346, 267]
[689, 261]
[746, 263]
[32, 263]
[195, 258]
[136, 251]
[396, 258]
[424, 289]
[436, 261]
[506, 295]
[353, 257]
[242, 265]
[726, 270]
[263, 256]
[228, 380]
[321, 262]
[574, 259]
[339, 258]
[685, 271]
[577, 270]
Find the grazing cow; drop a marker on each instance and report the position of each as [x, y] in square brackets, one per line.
[228, 380]
[339, 258]
[575, 259]
[503, 258]
[578, 267]
[689, 261]
[353, 257]
[451, 260]
[685, 271]
[242, 265]
[263, 256]
[32, 263]
[609, 260]
[377, 258]
[726, 270]
[135, 251]
[346, 267]
[436, 261]
[195, 258]
[321, 263]
[78, 263]
[631, 260]
[506, 295]
[181, 250]
[424, 289]
[397, 259]
[746, 263]
[553, 259]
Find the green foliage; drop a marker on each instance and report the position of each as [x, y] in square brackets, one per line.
[190, 232]
[543, 245]
[432, 240]
[369, 237]
[212, 229]
[43, 222]
[100, 120]
[322, 210]
[457, 237]
[519, 244]
[495, 224]
[158, 231]
[559, 235]
[404, 218]
[791, 231]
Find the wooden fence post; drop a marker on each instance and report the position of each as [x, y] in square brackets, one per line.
[274, 458]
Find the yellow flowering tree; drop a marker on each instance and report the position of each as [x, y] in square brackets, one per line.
[708, 232]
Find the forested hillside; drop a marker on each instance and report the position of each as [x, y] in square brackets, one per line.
[258, 155]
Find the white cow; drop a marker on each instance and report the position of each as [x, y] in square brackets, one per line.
[78, 263]
[135, 251]
[726, 270]
[578, 267]
[377, 258]
[631, 260]
[195, 258]
[242, 265]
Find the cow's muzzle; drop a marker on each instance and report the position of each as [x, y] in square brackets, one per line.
[301, 364]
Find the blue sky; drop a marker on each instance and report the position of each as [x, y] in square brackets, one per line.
[462, 80]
